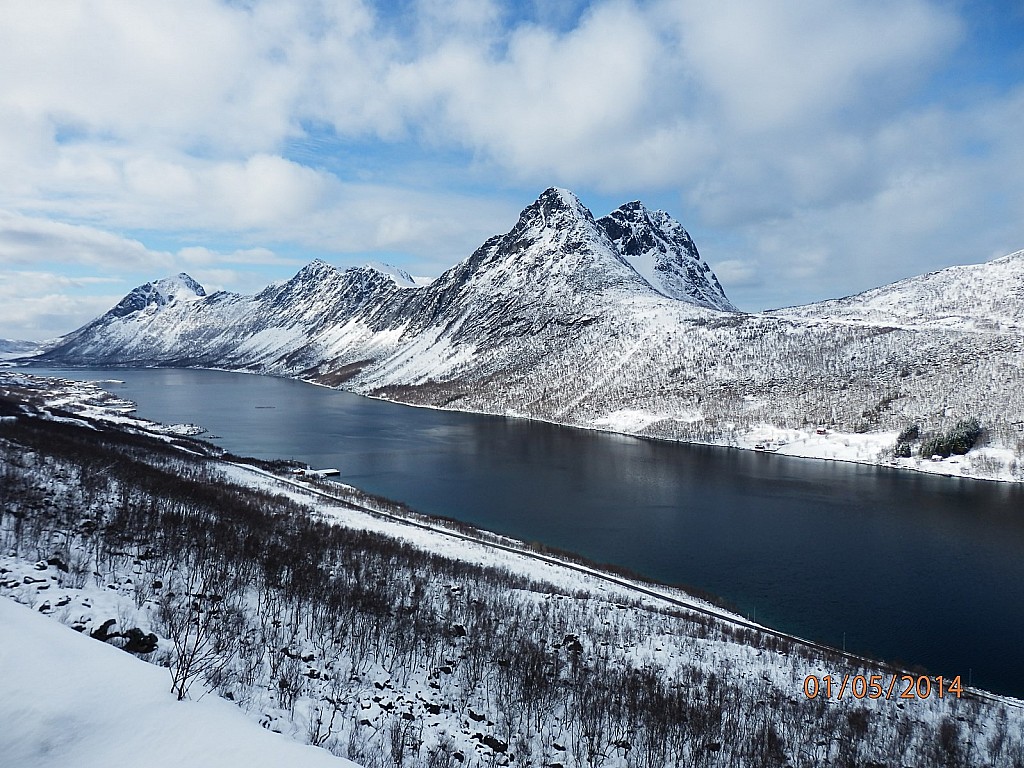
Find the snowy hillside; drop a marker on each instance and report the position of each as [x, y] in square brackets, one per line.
[618, 324]
[982, 297]
[13, 346]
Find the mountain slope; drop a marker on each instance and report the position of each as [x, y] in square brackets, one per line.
[13, 349]
[519, 295]
[153, 297]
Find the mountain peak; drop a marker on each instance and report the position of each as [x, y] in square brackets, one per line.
[554, 209]
[558, 200]
[637, 230]
[183, 284]
[316, 269]
[663, 253]
[561, 197]
[159, 293]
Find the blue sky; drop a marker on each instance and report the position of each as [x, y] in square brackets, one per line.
[813, 148]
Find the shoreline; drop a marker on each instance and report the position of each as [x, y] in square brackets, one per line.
[915, 467]
[919, 465]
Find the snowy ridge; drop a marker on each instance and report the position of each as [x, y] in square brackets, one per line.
[400, 277]
[13, 349]
[159, 294]
[983, 297]
[15, 345]
[618, 324]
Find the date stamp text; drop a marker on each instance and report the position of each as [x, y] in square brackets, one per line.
[881, 687]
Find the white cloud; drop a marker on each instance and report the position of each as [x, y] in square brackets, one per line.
[195, 72]
[433, 228]
[737, 273]
[545, 102]
[37, 305]
[28, 240]
[201, 256]
[801, 135]
[770, 66]
[158, 191]
[932, 206]
[727, 98]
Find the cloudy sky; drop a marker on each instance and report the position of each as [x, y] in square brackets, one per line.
[813, 148]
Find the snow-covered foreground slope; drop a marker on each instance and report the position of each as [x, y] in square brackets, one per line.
[67, 700]
[616, 323]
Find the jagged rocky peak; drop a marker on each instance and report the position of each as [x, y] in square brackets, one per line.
[636, 231]
[316, 277]
[662, 251]
[160, 293]
[320, 282]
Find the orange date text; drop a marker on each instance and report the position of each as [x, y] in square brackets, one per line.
[881, 687]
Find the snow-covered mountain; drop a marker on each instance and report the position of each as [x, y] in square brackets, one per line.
[401, 278]
[15, 348]
[152, 297]
[614, 324]
[520, 294]
[15, 345]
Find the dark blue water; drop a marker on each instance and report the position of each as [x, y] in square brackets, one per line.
[921, 569]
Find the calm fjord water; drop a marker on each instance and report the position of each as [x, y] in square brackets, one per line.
[927, 570]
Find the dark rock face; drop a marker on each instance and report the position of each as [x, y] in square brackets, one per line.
[133, 640]
[103, 633]
[139, 642]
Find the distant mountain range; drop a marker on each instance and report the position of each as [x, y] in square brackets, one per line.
[614, 323]
[12, 348]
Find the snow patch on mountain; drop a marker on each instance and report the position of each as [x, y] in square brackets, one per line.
[400, 277]
[627, 420]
